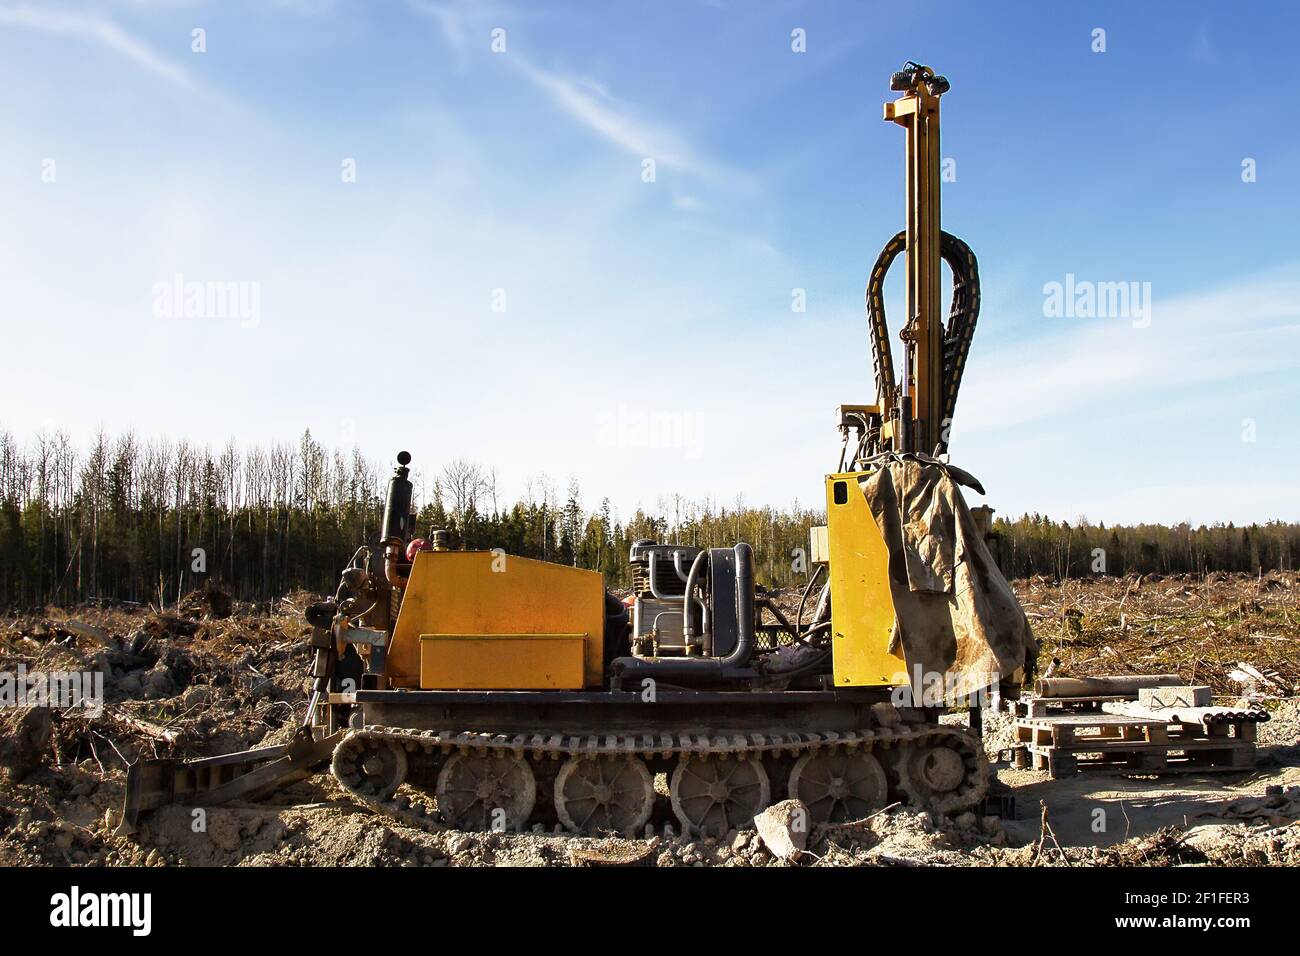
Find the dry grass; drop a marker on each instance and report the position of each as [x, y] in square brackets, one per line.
[1198, 628]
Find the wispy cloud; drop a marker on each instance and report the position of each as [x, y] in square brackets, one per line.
[1233, 333]
[583, 100]
[458, 19]
[450, 18]
[99, 30]
[1203, 48]
[592, 106]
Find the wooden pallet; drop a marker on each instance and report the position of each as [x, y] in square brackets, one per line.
[1066, 744]
[1046, 706]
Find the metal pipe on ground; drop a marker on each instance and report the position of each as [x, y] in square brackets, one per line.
[1121, 685]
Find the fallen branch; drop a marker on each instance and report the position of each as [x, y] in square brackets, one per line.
[89, 631]
[145, 727]
[109, 741]
[1052, 833]
[857, 823]
[1042, 833]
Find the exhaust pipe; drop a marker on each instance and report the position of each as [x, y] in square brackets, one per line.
[397, 513]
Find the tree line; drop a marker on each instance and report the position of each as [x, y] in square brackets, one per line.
[147, 521]
[1033, 544]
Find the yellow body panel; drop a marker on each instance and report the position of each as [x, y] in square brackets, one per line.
[502, 662]
[862, 610]
[493, 596]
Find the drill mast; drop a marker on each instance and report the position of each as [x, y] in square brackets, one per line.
[914, 415]
[917, 111]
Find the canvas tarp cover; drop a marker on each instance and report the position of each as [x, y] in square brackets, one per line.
[961, 627]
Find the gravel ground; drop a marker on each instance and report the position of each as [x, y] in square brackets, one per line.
[193, 683]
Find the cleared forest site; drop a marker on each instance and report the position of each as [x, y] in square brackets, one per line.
[212, 676]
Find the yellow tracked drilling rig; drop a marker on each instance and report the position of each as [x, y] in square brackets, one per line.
[478, 690]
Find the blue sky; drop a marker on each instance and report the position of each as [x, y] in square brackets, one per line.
[501, 283]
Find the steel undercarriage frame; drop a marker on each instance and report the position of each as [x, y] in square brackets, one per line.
[618, 711]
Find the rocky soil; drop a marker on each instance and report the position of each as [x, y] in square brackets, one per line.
[214, 676]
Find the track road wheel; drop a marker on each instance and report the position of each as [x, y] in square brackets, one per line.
[377, 768]
[839, 786]
[486, 792]
[932, 775]
[604, 794]
[712, 795]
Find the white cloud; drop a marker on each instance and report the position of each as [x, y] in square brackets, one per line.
[99, 30]
[1129, 424]
[589, 104]
[1235, 332]
[582, 99]
[450, 18]
[458, 19]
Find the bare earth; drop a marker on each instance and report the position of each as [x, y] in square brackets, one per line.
[190, 683]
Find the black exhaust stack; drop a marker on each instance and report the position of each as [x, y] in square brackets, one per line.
[397, 509]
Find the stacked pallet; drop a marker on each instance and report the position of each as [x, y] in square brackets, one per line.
[1137, 730]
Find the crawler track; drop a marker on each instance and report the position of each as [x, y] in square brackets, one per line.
[603, 782]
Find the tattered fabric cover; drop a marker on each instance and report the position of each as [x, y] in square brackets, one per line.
[956, 616]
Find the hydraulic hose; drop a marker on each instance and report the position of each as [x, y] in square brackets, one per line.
[803, 599]
[962, 316]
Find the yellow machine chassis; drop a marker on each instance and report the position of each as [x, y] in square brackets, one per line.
[483, 620]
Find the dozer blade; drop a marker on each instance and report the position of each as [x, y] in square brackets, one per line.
[151, 784]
